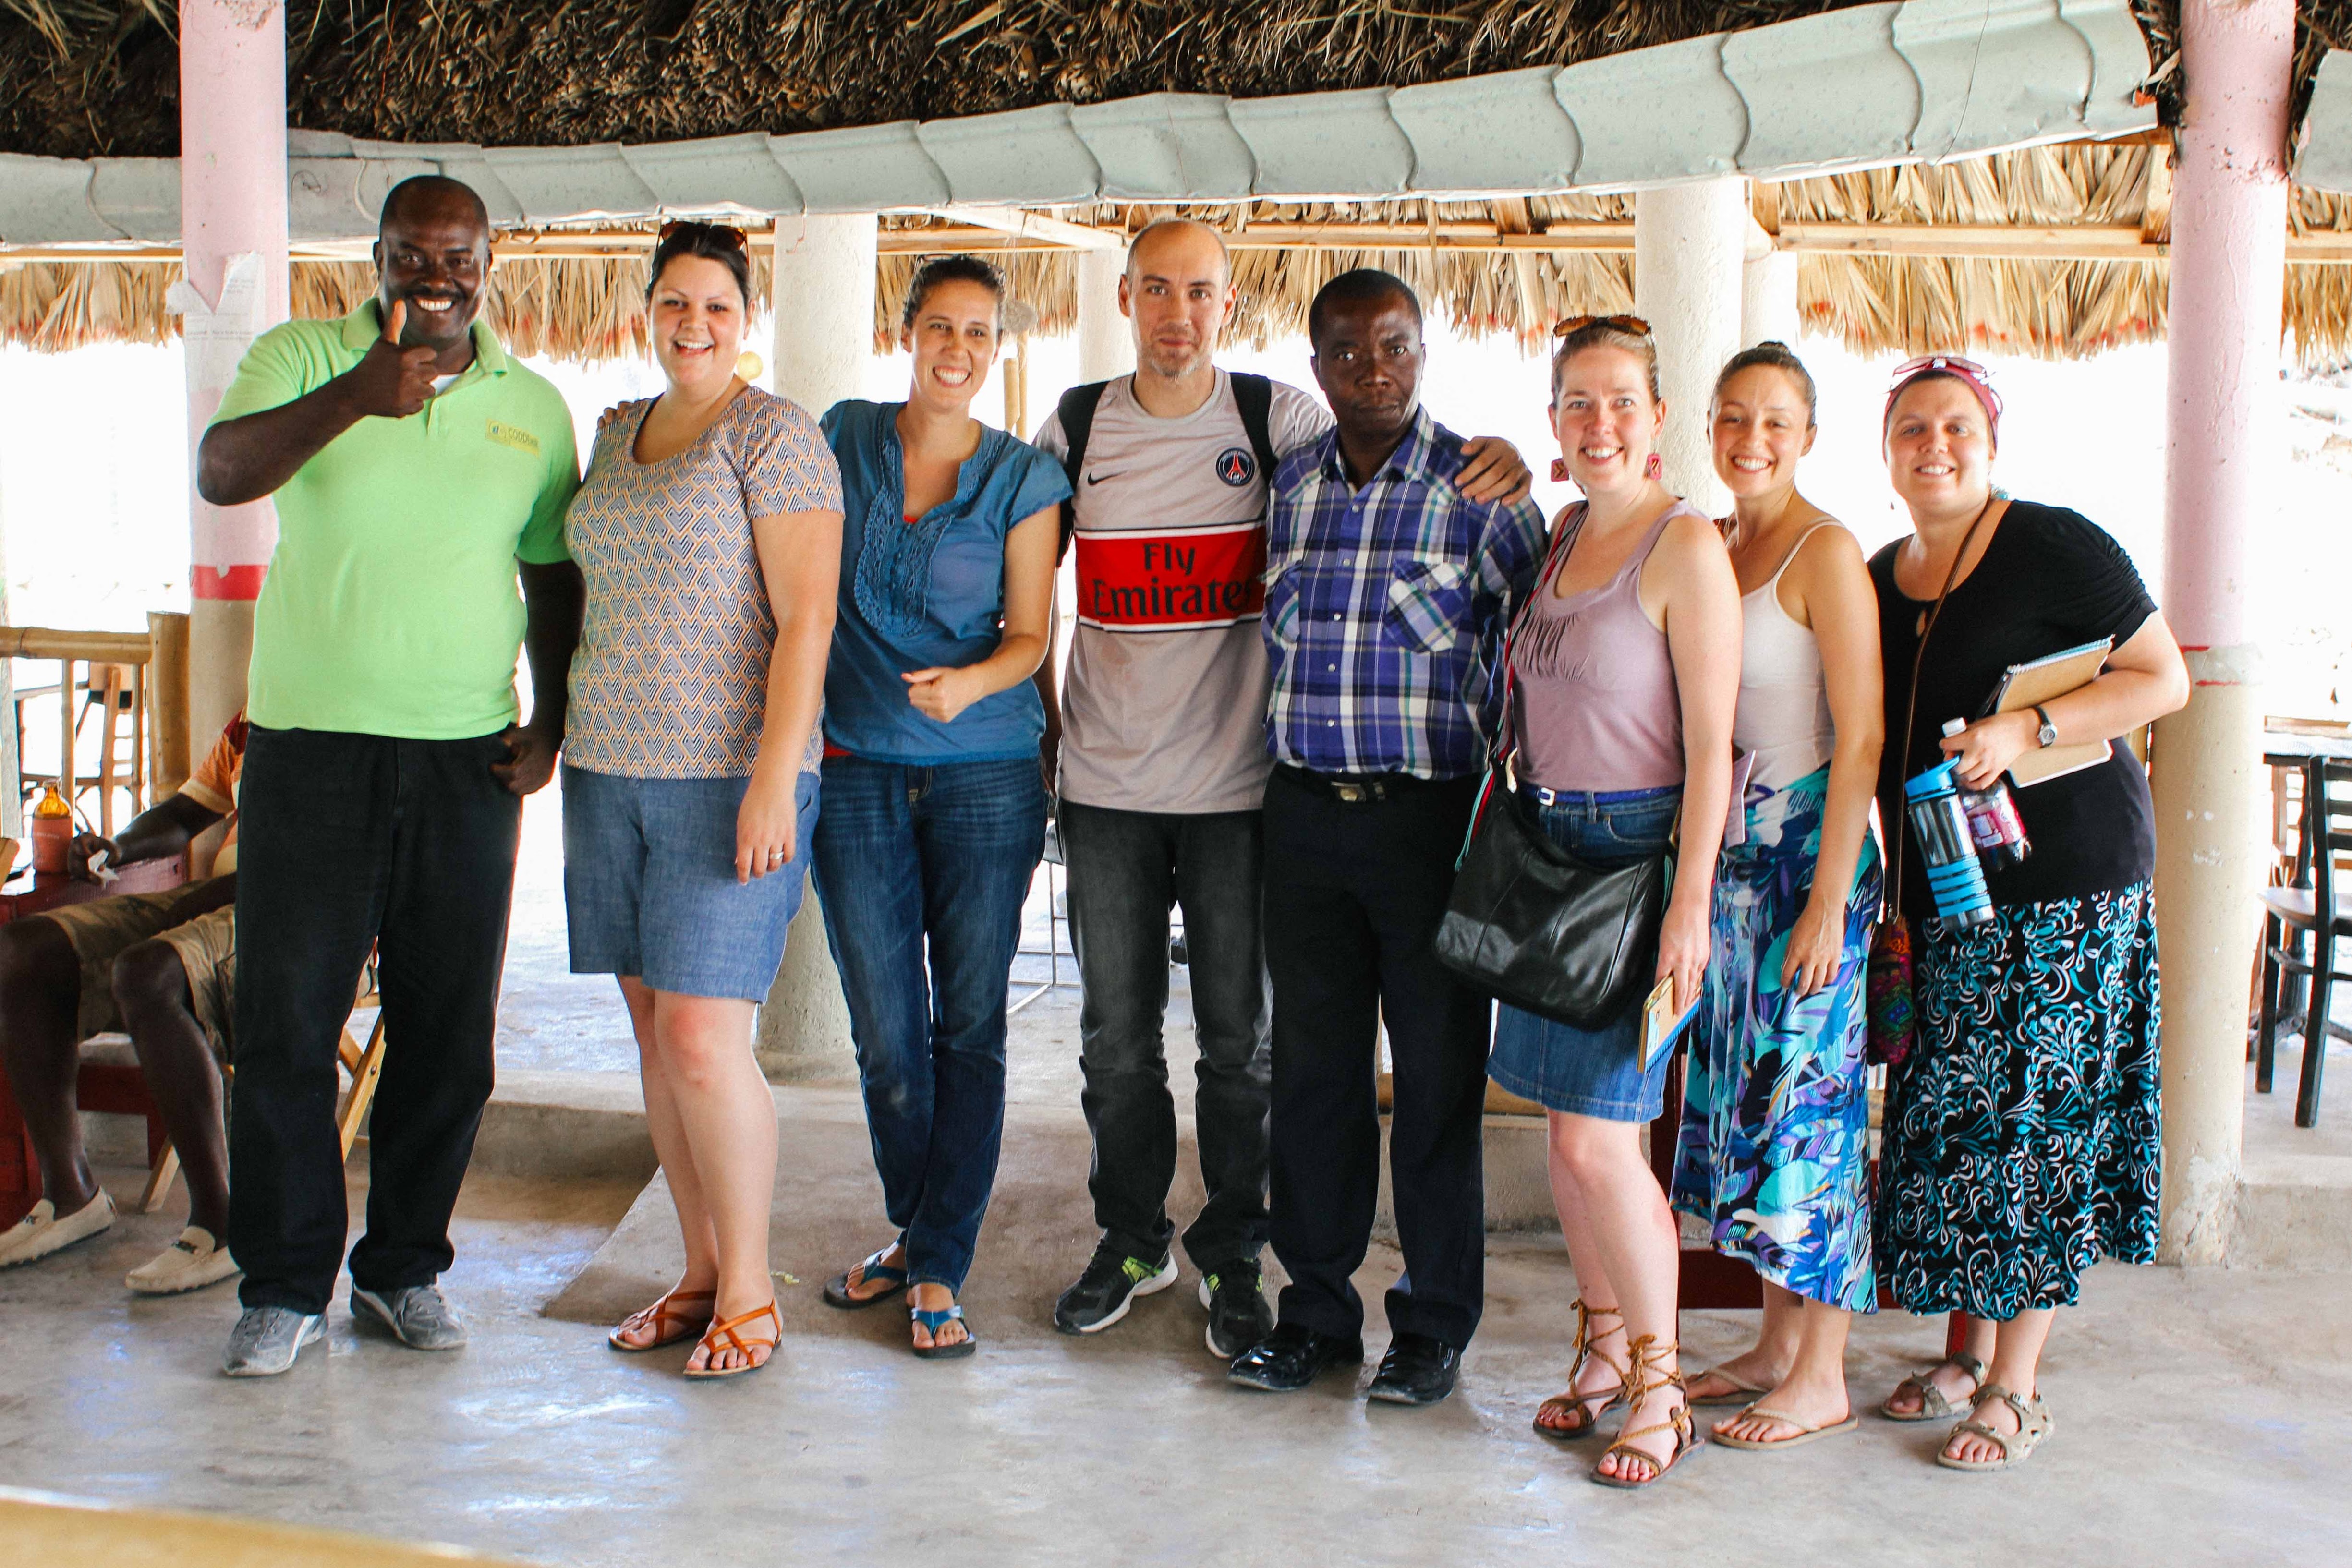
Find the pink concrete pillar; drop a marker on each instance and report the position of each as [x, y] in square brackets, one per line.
[233, 234]
[2223, 439]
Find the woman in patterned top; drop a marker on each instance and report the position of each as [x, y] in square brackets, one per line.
[709, 530]
[935, 806]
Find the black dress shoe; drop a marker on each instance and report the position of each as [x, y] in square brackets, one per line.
[1417, 1370]
[1292, 1357]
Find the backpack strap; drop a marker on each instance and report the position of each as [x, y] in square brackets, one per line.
[1076, 414]
[1254, 395]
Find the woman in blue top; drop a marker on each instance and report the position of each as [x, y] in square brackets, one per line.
[935, 805]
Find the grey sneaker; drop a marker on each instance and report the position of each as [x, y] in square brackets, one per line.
[417, 1315]
[267, 1340]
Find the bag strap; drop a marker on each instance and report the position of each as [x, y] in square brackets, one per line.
[1253, 396]
[1918, 659]
[1505, 742]
[1555, 558]
[1076, 412]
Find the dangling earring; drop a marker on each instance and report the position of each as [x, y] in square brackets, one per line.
[1559, 470]
[1654, 468]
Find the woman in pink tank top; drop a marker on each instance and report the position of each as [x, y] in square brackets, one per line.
[1626, 672]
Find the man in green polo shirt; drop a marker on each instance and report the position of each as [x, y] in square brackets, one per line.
[416, 469]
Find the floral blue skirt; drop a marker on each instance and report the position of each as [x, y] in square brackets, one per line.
[1774, 1155]
[2024, 1136]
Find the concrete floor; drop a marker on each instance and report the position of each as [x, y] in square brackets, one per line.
[2205, 1418]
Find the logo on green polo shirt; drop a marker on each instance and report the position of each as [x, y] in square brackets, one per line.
[522, 440]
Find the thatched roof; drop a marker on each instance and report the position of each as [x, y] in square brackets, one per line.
[99, 77]
[82, 78]
[593, 308]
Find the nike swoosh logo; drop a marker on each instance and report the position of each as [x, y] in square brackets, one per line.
[1099, 478]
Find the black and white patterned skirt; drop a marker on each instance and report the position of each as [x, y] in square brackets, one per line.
[2024, 1137]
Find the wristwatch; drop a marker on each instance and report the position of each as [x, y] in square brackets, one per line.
[2048, 734]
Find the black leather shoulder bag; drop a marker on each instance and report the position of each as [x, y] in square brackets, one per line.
[1528, 922]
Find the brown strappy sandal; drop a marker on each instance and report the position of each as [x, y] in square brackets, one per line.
[726, 1328]
[1645, 1351]
[660, 1314]
[1602, 1400]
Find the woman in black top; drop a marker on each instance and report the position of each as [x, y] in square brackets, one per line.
[2022, 1137]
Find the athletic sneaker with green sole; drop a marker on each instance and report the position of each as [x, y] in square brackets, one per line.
[1108, 1287]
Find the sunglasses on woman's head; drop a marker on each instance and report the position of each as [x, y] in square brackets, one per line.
[1951, 362]
[725, 234]
[1634, 324]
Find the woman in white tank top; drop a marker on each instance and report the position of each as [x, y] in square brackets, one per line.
[1774, 1150]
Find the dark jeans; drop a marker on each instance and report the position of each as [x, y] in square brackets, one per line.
[346, 841]
[1126, 868]
[1353, 896]
[938, 859]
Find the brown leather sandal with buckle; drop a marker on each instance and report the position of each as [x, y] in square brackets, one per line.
[659, 1317]
[1645, 1352]
[1583, 1420]
[727, 1329]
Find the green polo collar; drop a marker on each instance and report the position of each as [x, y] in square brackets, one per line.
[364, 326]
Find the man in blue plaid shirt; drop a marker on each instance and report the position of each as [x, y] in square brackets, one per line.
[1387, 594]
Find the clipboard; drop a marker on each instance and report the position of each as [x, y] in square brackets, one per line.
[2044, 680]
[1662, 1025]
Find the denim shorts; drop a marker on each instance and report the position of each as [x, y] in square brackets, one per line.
[649, 883]
[1591, 1072]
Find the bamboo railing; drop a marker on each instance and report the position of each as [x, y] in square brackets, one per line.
[158, 660]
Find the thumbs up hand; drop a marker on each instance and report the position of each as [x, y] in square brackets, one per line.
[391, 381]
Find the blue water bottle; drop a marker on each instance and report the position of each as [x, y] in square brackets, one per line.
[1939, 825]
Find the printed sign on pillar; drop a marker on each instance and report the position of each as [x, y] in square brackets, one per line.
[229, 546]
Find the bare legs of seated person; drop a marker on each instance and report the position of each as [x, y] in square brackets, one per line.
[41, 993]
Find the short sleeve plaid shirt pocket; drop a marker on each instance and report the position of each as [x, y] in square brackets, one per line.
[1428, 607]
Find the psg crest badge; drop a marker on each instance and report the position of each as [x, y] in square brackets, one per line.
[1235, 466]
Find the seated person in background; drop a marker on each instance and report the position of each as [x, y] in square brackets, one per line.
[161, 965]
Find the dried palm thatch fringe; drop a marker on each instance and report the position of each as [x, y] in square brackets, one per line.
[594, 309]
[2054, 309]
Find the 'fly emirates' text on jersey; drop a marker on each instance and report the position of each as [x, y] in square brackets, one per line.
[1164, 704]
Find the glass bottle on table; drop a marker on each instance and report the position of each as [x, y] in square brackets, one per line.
[52, 832]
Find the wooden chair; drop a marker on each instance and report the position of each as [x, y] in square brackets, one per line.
[2312, 905]
[362, 1065]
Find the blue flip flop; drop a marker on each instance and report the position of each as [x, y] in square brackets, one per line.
[837, 1290]
[934, 1319]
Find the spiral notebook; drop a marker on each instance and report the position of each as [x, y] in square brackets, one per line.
[2045, 680]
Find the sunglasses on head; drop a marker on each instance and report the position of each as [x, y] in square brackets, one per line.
[1634, 324]
[1954, 363]
[725, 235]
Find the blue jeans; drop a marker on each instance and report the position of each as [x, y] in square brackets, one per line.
[922, 872]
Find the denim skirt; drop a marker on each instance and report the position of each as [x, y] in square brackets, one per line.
[1591, 1072]
[649, 886]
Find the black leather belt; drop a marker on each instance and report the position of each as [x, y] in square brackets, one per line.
[1356, 788]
